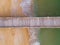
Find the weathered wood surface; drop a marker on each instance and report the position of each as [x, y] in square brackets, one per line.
[14, 36]
[30, 22]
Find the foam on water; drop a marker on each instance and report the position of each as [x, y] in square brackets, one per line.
[36, 43]
[34, 36]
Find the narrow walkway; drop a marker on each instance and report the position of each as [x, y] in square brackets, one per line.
[30, 22]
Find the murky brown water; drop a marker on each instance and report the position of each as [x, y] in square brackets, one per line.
[15, 7]
[14, 36]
